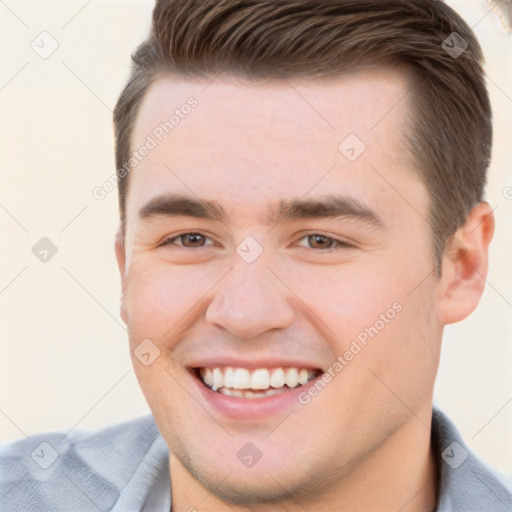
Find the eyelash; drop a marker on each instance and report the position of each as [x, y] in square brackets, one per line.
[340, 244]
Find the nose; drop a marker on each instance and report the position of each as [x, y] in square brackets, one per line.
[250, 300]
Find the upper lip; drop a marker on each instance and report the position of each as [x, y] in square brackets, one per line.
[253, 363]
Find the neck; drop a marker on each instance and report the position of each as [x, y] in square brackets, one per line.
[400, 475]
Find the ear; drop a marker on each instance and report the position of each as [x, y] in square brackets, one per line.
[121, 264]
[120, 255]
[464, 266]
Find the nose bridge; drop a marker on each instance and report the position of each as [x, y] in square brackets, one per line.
[250, 299]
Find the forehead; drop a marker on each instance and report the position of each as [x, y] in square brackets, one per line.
[247, 141]
[357, 101]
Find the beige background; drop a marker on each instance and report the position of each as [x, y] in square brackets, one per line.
[64, 358]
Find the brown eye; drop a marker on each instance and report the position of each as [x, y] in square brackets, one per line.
[320, 242]
[187, 240]
[192, 240]
[323, 243]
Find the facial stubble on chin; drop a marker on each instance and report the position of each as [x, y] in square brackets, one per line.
[314, 483]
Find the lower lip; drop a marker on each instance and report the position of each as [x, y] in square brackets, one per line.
[251, 408]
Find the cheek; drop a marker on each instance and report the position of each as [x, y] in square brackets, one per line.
[161, 299]
[155, 298]
[370, 312]
[342, 301]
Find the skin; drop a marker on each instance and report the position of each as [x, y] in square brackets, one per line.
[363, 443]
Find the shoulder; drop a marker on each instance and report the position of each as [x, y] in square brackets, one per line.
[466, 482]
[79, 470]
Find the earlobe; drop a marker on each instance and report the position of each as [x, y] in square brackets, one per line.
[465, 265]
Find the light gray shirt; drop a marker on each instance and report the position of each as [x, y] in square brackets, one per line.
[125, 468]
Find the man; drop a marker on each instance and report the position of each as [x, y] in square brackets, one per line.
[301, 197]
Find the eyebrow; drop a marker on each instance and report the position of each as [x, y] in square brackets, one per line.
[330, 206]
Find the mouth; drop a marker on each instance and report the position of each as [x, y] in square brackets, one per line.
[254, 383]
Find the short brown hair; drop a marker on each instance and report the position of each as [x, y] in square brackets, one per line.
[451, 133]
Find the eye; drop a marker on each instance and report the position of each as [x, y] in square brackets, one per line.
[188, 240]
[325, 243]
[315, 241]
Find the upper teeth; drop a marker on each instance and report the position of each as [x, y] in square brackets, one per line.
[260, 378]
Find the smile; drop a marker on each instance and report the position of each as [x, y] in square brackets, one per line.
[254, 383]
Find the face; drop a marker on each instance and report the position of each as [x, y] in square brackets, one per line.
[278, 264]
